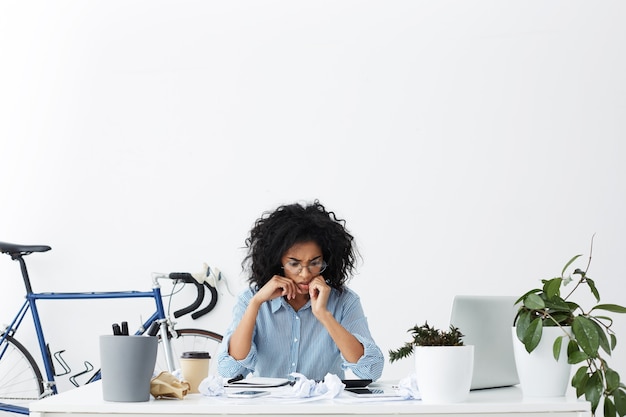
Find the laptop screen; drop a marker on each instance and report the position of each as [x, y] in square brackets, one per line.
[486, 322]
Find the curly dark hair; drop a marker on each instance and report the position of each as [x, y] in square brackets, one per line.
[277, 231]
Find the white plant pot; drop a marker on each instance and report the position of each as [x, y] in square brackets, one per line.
[444, 373]
[539, 373]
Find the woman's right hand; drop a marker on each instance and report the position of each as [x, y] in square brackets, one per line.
[276, 287]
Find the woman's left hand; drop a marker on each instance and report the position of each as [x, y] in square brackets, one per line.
[319, 292]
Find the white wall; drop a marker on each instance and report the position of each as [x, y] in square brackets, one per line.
[472, 146]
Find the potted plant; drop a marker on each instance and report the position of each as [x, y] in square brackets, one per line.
[586, 334]
[443, 364]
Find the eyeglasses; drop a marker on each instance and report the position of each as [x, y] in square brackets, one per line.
[315, 267]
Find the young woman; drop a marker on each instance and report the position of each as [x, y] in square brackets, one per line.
[298, 315]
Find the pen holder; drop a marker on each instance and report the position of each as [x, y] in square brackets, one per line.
[127, 364]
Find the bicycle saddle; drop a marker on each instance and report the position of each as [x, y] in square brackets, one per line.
[12, 248]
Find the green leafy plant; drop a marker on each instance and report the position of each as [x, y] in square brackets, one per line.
[426, 335]
[590, 341]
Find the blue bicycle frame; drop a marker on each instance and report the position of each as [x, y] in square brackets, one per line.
[31, 304]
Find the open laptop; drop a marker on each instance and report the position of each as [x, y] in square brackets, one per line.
[486, 322]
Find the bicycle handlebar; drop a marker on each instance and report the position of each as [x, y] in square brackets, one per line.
[209, 306]
[187, 278]
[183, 276]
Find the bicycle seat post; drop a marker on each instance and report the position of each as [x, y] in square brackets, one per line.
[20, 258]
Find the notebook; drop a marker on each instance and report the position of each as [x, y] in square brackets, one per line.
[486, 322]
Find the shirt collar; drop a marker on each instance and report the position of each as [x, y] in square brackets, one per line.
[276, 303]
[279, 302]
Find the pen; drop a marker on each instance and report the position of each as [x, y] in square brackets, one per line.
[235, 379]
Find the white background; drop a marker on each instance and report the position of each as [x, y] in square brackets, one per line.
[472, 146]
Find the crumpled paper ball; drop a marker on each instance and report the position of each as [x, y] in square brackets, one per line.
[166, 385]
[330, 387]
[407, 387]
[212, 386]
[178, 373]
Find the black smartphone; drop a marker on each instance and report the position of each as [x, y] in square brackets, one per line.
[356, 383]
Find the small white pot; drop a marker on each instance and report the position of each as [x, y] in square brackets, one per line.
[444, 373]
[540, 374]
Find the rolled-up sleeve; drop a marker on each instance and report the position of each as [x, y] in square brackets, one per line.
[227, 366]
[370, 365]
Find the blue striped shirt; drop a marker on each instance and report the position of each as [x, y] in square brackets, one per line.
[286, 341]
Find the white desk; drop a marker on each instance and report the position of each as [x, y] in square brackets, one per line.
[87, 402]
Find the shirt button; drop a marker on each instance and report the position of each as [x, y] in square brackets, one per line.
[295, 340]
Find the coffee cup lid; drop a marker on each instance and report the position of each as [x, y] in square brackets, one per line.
[196, 355]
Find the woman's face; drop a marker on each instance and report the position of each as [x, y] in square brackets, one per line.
[302, 262]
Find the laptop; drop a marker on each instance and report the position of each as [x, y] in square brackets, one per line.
[486, 322]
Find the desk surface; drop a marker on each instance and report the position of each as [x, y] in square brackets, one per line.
[87, 402]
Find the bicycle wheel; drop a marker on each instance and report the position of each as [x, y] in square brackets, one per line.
[20, 377]
[188, 340]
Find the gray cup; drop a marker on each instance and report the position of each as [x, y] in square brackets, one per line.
[127, 364]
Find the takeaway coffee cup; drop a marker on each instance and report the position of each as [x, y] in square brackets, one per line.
[127, 364]
[194, 367]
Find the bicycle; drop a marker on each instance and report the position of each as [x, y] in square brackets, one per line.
[21, 380]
